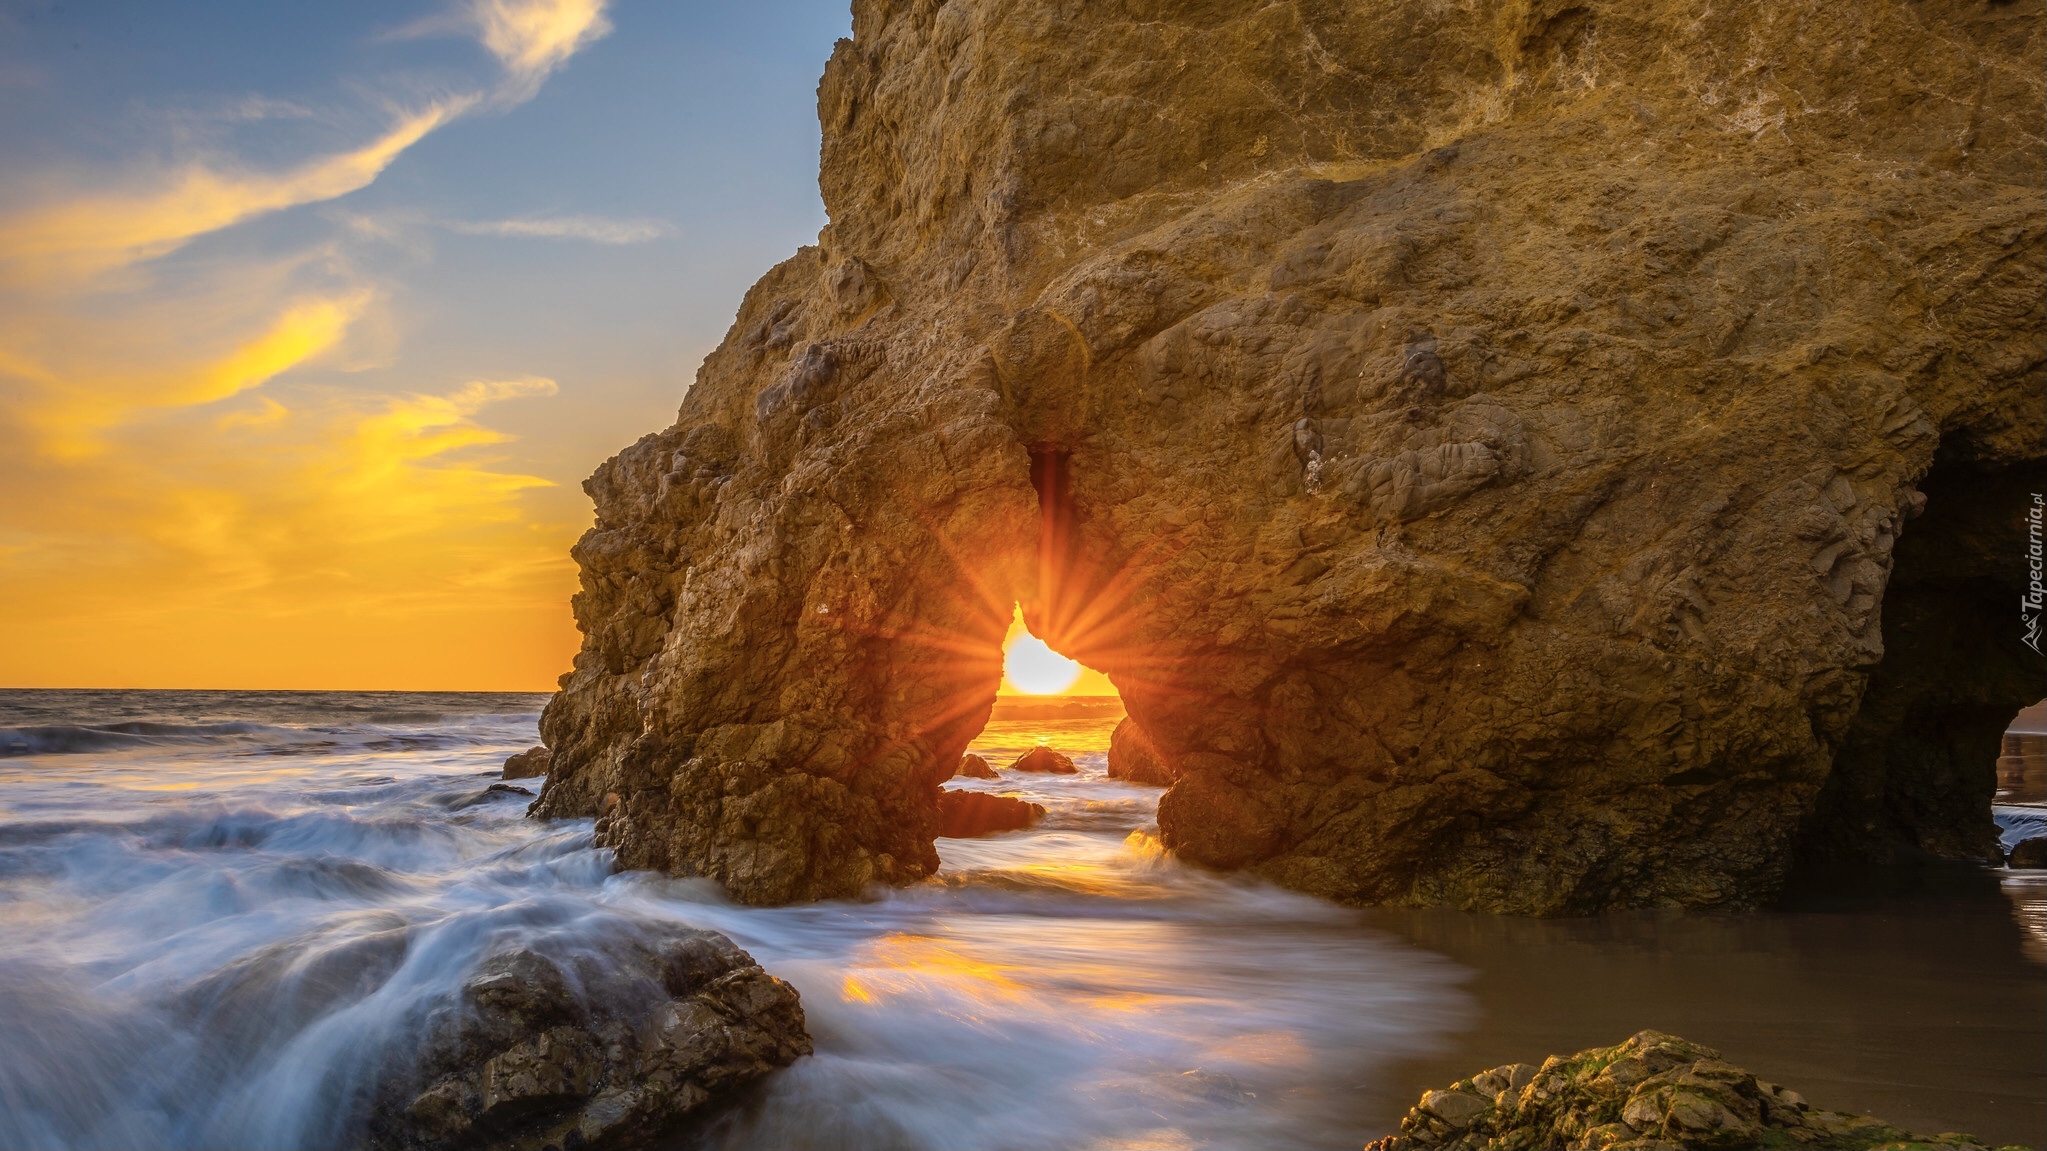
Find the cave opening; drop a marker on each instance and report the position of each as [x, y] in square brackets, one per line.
[1057, 728]
[1917, 772]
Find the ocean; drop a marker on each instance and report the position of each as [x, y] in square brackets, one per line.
[222, 913]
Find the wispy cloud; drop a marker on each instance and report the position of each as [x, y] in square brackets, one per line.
[76, 237]
[532, 38]
[600, 229]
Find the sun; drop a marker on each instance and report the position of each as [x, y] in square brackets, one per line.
[1033, 668]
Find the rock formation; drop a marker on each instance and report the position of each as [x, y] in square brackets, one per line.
[1046, 760]
[527, 764]
[1132, 756]
[1654, 1092]
[969, 814]
[610, 1051]
[1475, 439]
[2029, 854]
[974, 767]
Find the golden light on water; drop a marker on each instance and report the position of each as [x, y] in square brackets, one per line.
[1033, 668]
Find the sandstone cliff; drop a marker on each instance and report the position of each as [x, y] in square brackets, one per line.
[1474, 437]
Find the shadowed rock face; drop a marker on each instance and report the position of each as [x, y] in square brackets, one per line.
[1472, 438]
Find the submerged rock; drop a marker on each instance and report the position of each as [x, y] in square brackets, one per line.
[1134, 757]
[974, 767]
[1654, 1092]
[1488, 484]
[1045, 759]
[609, 1050]
[2029, 853]
[529, 763]
[967, 814]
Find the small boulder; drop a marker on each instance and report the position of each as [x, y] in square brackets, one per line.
[974, 767]
[968, 814]
[1133, 757]
[533, 761]
[1653, 1091]
[2030, 853]
[507, 789]
[613, 1043]
[1044, 759]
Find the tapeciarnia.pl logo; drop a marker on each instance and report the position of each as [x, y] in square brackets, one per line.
[2036, 595]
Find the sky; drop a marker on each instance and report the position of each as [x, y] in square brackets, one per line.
[314, 317]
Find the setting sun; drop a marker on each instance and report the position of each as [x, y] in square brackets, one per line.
[1033, 668]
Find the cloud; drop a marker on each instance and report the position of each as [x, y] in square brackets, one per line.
[75, 238]
[532, 38]
[193, 494]
[73, 378]
[595, 228]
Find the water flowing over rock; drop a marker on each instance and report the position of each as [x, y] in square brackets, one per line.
[1475, 440]
[1654, 1092]
[611, 1051]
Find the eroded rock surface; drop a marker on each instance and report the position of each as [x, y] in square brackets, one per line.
[974, 767]
[1044, 759]
[1475, 439]
[534, 761]
[1132, 756]
[610, 1049]
[1654, 1092]
[969, 814]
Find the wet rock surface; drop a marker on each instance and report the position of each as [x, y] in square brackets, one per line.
[1476, 441]
[1134, 757]
[527, 764]
[2029, 853]
[974, 767]
[611, 1049]
[1654, 1091]
[968, 814]
[1044, 759]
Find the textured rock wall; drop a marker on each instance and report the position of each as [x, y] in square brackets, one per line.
[1472, 436]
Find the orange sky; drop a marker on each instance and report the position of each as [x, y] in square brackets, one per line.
[270, 421]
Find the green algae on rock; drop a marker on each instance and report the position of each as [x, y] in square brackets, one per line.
[1654, 1092]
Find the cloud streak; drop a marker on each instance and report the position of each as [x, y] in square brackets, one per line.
[598, 229]
[77, 238]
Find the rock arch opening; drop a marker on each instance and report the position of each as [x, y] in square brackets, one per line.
[1917, 770]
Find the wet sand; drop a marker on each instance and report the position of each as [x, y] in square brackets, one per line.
[1912, 1000]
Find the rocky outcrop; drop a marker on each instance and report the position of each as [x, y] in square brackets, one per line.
[611, 1050]
[1133, 756]
[1654, 1092]
[971, 814]
[2029, 853]
[1046, 760]
[974, 767]
[1475, 439]
[527, 764]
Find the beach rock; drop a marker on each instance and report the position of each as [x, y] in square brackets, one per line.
[1134, 757]
[506, 789]
[1476, 440]
[1654, 1091]
[529, 763]
[2029, 853]
[974, 767]
[606, 1049]
[1044, 759]
[967, 814]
